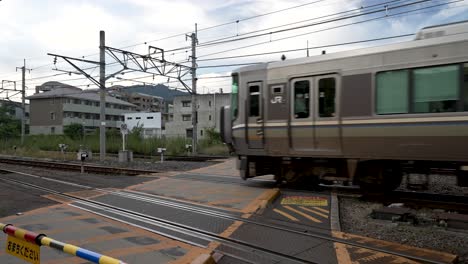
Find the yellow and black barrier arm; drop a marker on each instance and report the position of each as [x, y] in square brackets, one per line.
[43, 240]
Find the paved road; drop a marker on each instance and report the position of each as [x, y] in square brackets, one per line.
[176, 216]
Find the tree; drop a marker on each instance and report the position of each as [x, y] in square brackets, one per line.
[9, 127]
[73, 131]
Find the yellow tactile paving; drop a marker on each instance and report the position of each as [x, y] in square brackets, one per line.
[321, 209]
[311, 218]
[286, 215]
[314, 212]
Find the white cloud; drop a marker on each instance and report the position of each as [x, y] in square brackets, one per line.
[31, 28]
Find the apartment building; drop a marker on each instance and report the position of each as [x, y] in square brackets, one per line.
[51, 110]
[208, 109]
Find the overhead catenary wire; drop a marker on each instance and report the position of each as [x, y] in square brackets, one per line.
[330, 28]
[276, 40]
[257, 16]
[384, 4]
[312, 47]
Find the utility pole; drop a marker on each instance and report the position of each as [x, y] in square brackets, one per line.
[102, 89]
[23, 98]
[194, 92]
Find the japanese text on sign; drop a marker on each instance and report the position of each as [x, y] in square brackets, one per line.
[23, 250]
[305, 200]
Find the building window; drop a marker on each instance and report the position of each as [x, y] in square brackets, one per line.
[52, 130]
[436, 89]
[209, 118]
[326, 97]
[137, 117]
[186, 117]
[186, 104]
[52, 116]
[301, 99]
[209, 103]
[149, 117]
[254, 100]
[129, 118]
[189, 133]
[76, 101]
[392, 92]
[201, 132]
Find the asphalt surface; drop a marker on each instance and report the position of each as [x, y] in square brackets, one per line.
[16, 199]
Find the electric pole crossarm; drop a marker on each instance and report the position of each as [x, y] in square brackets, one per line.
[186, 86]
[75, 59]
[115, 73]
[136, 56]
[91, 78]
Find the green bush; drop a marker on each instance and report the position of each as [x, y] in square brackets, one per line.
[73, 131]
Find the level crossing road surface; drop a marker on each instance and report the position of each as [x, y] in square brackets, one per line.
[175, 217]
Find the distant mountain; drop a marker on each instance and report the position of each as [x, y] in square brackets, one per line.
[158, 90]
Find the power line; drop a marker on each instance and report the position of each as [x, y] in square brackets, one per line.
[385, 9]
[314, 47]
[306, 20]
[330, 28]
[212, 42]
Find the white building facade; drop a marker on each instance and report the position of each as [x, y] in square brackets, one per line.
[151, 123]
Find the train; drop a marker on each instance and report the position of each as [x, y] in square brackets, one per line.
[366, 116]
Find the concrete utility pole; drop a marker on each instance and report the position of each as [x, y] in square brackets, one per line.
[23, 98]
[102, 89]
[194, 92]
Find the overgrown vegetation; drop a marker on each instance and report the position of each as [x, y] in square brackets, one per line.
[75, 139]
[9, 127]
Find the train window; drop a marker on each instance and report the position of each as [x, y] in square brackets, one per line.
[234, 96]
[301, 99]
[436, 89]
[326, 98]
[465, 85]
[392, 92]
[277, 89]
[254, 100]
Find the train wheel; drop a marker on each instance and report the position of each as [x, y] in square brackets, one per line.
[380, 177]
[291, 176]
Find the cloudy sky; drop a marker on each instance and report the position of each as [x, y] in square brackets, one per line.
[31, 29]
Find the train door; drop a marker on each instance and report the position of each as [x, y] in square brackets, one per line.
[254, 119]
[326, 118]
[301, 129]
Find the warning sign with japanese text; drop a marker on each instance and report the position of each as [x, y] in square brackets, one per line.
[23, 250]
[305, 200]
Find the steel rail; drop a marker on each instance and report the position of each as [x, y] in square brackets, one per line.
[76, 167]
[184, 229]
[223, 215]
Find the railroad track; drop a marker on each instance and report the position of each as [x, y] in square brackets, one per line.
[198, 158]
[72, 166]
[147, 221]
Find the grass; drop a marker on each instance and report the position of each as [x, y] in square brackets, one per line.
[42, 145]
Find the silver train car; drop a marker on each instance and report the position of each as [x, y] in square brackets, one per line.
[364, 116]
